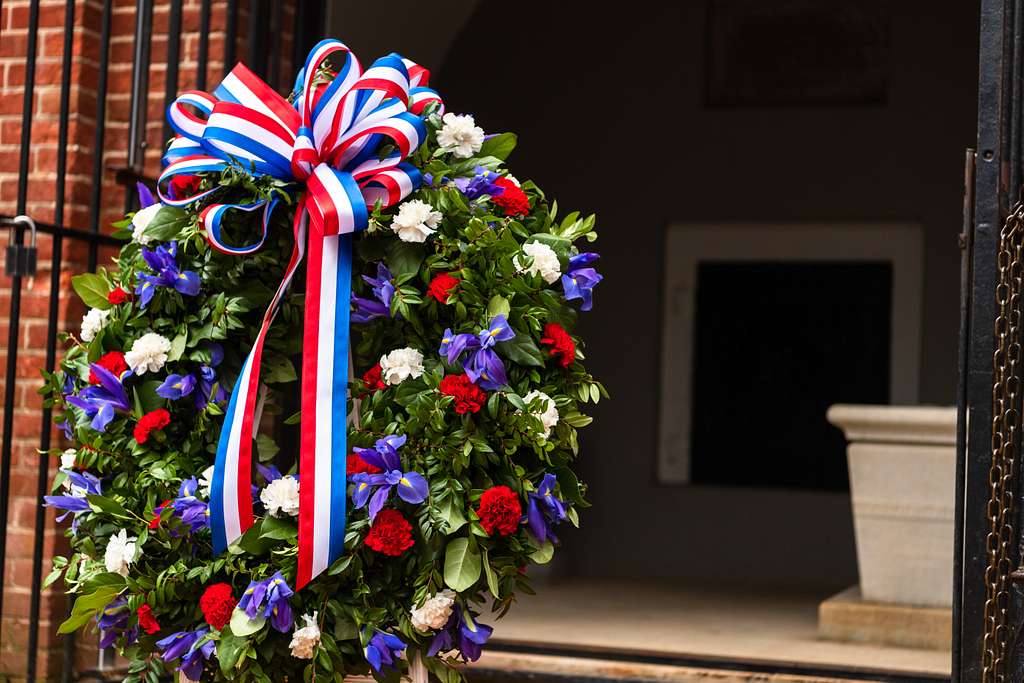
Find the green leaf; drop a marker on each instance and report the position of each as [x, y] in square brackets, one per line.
[543, 554]
[461, 564]
[404, 258]
[279, 370]
[451, 513]
[242, 625]
[92, 289]
[498, 305]
[108, 506]
[277, 529]
[168, 222]
[87, 605]
[521, 349]
[177, 346]
[229, 648]
[492, 578]
[500, 146]
[148, 399]
[266, 447]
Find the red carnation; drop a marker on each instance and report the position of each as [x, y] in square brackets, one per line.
[469, 398]
[499, 510]
[155, 522]
[118, 296]
[112, 361]
[217, 604]
[146, 619]
[355, 464]
[441, 286]
[390, 534]
[562, 345]
[151, 422]
[512, 199]
[372, 379]
[183, 186]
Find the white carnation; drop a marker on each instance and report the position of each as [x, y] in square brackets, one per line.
[141, 221]
[282, 495]
[460, 135]
[434, 613]
[148, 353]
[400, 365]
[120, 553]
[545, 262]
[415, 221]
[549, 416]
[305, 639]
[92, 322]
[67, 458]
[206, 482]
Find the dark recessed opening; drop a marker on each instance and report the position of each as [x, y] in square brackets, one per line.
[777, 344]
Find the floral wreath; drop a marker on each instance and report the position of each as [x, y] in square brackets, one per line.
[464, 410]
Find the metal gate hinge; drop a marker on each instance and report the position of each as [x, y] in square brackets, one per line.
[21, 259]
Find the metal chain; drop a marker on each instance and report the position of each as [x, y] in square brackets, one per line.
[1002, 473]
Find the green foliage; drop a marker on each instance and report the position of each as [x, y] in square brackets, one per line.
[461, 454]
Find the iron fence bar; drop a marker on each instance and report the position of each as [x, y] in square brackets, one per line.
[276, 27]
[95, 206]
[230, 35]
[139, 97]
[256, 58]
[204, 45]
[57, 250]
[976, 406]
[173, 57]
[14, 318]
[68, 233]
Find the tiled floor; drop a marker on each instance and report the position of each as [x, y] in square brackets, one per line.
[726, 624]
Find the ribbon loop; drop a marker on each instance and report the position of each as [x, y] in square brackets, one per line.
[328, 145]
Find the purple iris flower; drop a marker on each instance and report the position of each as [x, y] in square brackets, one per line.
[145, 196]
[177, 386]
[101, 401]
[164, 263]
[452, 345]
[383, 650]
[191, 648]
[411, 486]
[271, 597]
[486, 370]
[580, 280]
[480, 184]
[545, 510]
[383, 288]
[113, 620]
[462, 632]
[498, 330]
[192, 511]
[208, 377]
[270, 472]
[79, 485]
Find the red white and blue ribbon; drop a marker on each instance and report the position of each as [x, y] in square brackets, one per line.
[329, 145]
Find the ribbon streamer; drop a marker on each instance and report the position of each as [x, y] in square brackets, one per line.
[329, 146]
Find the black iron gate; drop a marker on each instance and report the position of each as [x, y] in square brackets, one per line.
[265, 30]
[989, 605]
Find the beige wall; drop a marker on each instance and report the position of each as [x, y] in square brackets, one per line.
[594, 92]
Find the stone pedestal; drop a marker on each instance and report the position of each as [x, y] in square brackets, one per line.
[848, 616]
[902, 462]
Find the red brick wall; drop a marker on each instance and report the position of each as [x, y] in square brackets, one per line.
[42, 192]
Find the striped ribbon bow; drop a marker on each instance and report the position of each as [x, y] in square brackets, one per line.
[329, 145]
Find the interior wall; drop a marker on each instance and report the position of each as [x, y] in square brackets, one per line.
[608, 104]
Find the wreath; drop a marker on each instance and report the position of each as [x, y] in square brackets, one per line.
[371, 520]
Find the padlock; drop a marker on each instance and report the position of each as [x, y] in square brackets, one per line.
[21, 259]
